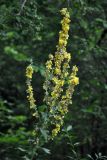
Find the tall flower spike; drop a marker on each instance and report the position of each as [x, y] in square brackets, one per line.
[59, 84]
[30, 96]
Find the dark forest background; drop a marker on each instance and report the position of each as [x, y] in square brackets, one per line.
[30, 30]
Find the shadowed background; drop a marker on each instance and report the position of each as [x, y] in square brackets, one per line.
[29, 30]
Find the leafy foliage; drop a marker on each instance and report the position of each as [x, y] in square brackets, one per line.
[32, 33]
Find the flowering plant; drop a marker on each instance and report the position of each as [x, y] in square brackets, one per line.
[59, 86]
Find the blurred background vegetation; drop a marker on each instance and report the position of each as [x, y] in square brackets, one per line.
[30, 30]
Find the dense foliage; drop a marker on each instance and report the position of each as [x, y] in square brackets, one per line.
[29, 29]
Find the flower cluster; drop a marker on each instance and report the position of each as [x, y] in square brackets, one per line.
[59, 84]
[63, 35]
[30, 96]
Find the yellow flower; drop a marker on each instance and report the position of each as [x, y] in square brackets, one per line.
[65, 74]
[63, 97]
[29, 89]
[49, 65]
[61, 42]
[29, 72]
[57, 117]
[65, 28]
[61, 82]
[61, 34]
[75, 69]
[67, 15]
[54, 95]
[56, 130]
[55, 80]
[67, 55]
[67, 20]
[63, 11]
[57, 71]
[74, 81]
[51, 56]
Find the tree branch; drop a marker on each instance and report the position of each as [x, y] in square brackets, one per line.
[22, 6]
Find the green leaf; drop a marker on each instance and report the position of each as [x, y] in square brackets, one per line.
[15, 54]
[44, 133]
[69, 128]
[46, 150]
